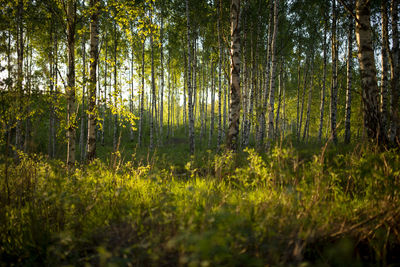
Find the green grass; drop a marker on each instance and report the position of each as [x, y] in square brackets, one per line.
[290, 206]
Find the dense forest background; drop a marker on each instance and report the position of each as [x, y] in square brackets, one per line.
[209, 132]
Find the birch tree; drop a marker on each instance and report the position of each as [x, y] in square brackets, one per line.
[385, 66]
[92, 111]
[349, 82]
[334, 86]
[189, 85]
[70, 90]
[394, 73]
[323, 89]
[273, 70]
[369, 85]
[234, 114]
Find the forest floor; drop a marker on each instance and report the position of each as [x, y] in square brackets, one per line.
[308, 205]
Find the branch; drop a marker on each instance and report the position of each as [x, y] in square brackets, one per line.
[59, 73]
[350, 11]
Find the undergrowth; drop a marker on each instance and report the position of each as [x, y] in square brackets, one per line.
[283, 207]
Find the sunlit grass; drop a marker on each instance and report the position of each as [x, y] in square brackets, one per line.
[217, 209]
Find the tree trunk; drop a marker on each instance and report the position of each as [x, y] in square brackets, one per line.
[169, 96]
[252, 97]
[115, 126]
[372, 122]
[70, 91]
[131, 132]
[185, 78]
[219, 74]
[153, 95]
[347, 132]
[104, 100]
[52, 102]
[224, 104]
[141, 116]
[201, 102]
[262, 119]
[234, 107]
[94, 41]
[385, 67]
[244, 74]
[394, 77]
[307, 124]
[273, 70]
[284, 109]
[334, 87]
[194, 79]
[298, 94]
[212, 105]
[20, 74]
[189, 86]
[322, 106]
[205, 84]
[303, 99]
[277, 132]
[82, 146]
[162, 78]
[28, 93]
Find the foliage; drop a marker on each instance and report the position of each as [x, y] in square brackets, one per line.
[283, 208]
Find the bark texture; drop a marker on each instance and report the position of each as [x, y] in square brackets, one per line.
[385, 67]
[70, 90]
[234, 105]
[334, 87]
[372, 122]
[347, 132]
[94, 42]
[272, 78]
[189, 85]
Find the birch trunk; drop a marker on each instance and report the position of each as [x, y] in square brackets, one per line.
[322, 106]
[169, 97]
[262, 119]
[29, 89]
[298, 95]
[347, 132]
[83, 114]
[302, 100]
[252, 97]
[185, 77]
[372, 122]
[212, 105]
[115, 126]
[70, 90]
[53, 74]
[153, 95]
[334, 87]
[284, 109]
[277, 132]
[385, 67]
[105, 92]
[131, 92]
[141, 116]
[272, 78]
[245, 87]
[219, 75]
[162, 78]
[234, 107]
[394, 76]
[94, 42]
[307, 123]
[194, 79]
[20, 74]
[189, 86]
[205, 84]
